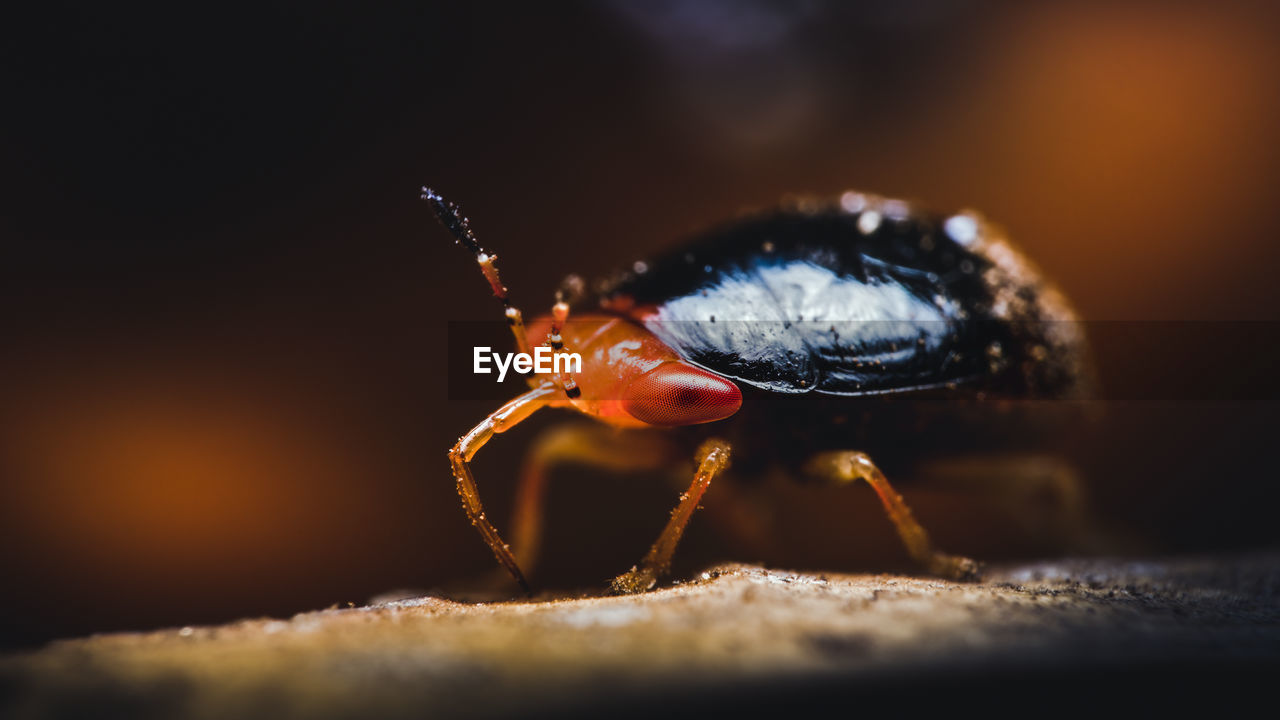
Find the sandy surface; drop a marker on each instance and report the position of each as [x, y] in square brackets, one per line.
[738, 638]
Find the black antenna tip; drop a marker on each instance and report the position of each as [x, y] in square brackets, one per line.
[452, 218]
[445, 210]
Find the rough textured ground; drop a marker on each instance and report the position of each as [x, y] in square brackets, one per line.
[739, 638]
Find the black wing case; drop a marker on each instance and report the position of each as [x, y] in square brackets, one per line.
[835, 302]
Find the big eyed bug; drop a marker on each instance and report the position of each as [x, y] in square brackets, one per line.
[774, 330]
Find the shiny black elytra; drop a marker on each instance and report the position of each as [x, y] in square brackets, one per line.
[856, 303]
[822, 311]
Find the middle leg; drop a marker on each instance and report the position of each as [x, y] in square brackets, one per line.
[844, 467]
[713, 458]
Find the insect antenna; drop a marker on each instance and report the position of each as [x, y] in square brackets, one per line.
[450, 215]
[560, 315]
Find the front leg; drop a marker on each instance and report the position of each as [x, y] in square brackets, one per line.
[713, 458]
[464, 451]
[844, 467]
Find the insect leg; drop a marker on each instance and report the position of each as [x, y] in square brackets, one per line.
[713, 458]
[450, 215]
[848, 466]
[460, 457]
[594, 445]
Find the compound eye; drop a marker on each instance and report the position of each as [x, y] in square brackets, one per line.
[676, 393]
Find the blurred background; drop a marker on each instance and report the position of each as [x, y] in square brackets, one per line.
[222, 386]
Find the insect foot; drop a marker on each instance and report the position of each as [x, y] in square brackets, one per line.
[634, 581]
[955, 567]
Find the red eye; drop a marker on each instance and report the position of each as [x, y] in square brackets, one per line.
[676, 393]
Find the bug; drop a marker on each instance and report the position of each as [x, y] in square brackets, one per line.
[774, 330]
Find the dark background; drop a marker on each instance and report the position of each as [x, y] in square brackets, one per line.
[222, 372]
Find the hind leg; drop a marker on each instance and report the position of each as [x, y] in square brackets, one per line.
[845, 467]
